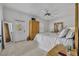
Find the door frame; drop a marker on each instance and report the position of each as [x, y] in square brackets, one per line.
[4, 34]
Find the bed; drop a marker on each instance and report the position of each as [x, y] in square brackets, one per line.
[48, 40]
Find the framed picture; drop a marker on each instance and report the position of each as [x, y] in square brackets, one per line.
[18, 27]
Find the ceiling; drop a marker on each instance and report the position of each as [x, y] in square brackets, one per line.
[38, 9]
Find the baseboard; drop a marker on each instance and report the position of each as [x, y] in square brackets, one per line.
[20, 41]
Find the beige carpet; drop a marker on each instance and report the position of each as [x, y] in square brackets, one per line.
[24, 48]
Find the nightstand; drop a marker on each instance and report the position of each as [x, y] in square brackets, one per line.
[58, 50]
[73, 52]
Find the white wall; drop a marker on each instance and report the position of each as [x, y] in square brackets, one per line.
[68, 17]
[44, 26]
[12, 15]
[1, 12]
[64, 13]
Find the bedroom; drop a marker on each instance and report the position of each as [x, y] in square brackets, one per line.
[52, 18]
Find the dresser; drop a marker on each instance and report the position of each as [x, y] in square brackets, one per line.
[33, 29]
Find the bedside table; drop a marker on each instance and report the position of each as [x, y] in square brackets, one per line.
[58, 50]
[73, 52]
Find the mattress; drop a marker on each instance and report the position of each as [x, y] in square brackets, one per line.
[47, 41]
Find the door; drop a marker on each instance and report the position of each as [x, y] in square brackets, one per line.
[19, 30]
[6, 32]
[35, 28]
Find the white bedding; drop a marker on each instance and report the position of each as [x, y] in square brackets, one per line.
[48, 40]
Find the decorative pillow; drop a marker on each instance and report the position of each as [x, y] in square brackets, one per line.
[63, 33]
[70, 34]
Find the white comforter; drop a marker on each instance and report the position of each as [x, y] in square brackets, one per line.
[48, 40]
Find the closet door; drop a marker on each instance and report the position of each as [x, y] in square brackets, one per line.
[35, 28]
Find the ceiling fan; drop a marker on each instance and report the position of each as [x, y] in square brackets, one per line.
[46, 12]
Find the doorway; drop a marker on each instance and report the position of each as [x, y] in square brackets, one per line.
[7, 33]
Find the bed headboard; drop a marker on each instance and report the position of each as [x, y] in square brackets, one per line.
[58, 26]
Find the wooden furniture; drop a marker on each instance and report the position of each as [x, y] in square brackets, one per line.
[55, 51]
[70, 53]
[57, 25]
[73, 52]
[76, 28]
[60, 50]
[33, 29]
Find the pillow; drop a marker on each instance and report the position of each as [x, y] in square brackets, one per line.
[70, 34]
[63, 33]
